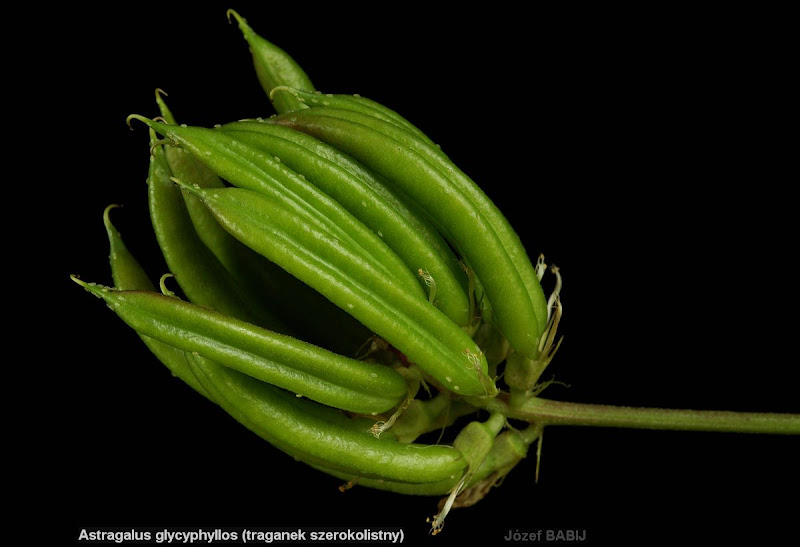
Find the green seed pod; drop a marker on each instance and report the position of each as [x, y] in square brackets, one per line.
[306, 314]
[435, 488]
[247, 167]
[305, 369]
[274, 67]
[128, 274]
[322, 436]
[203, 279]
[356, 103]
[358, 194]
[412, 325]
[459, 208]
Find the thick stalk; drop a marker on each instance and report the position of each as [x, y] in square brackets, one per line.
[546, 412]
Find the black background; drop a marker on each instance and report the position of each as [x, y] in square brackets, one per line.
[640, 152]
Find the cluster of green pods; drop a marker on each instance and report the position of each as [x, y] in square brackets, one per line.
[345, 287]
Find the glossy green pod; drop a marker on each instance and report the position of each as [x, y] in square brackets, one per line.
[305, 369]
[423, 333]
[128, 274]
[306, 314]
[507, 450]
[315, 435]
[435, 488]
[396, 198]
[467, 222]
[359, 196]
[356, 103]
[184, 166]
[498, 456]
[274, 67]
[247, 167]
[203, 279]
[505, 232]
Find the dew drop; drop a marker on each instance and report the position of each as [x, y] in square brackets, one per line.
[298, 395]
[216, 195]
[357, 95]
[208, 152]
[380, 234]
[373, 374]
[364, 203]
[315, 101]
[183, 125]
[448, 379]
[326, 103]
[456, 388]
[329, 94]
[350, 306]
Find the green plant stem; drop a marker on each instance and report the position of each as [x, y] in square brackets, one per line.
[546, 412]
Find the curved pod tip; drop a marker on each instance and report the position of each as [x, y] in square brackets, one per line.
[94, 288]
[282, 89]
[145, 120]
[107, 211]
[239, 19]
